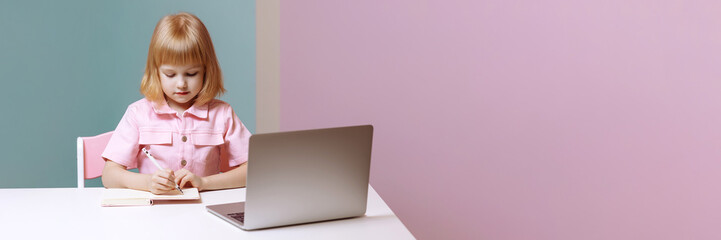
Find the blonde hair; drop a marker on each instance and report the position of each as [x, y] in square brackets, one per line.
[181, 39]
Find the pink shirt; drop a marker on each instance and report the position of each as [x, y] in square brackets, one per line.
[198, 140]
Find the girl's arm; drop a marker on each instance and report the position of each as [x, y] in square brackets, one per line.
[234, 178]
[117, 176]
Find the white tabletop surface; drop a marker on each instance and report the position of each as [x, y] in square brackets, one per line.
[49, 213]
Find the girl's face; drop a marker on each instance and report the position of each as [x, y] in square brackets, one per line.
[181, 83]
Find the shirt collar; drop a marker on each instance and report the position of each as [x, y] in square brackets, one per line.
[163, 108]
[199, 111]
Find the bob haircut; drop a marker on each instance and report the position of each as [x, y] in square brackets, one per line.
[181, 39]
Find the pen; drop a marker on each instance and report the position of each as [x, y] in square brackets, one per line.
[159, 167]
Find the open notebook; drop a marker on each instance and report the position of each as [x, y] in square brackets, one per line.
[115, 197]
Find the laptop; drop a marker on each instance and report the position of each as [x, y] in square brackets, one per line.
[302, 177]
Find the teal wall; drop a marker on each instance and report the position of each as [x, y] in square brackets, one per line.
[70, 68]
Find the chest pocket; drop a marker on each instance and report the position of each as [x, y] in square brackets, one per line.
[207, 139]
[155, 136]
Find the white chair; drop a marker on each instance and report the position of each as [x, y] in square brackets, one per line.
[90, 163]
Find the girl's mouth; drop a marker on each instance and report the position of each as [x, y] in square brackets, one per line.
[182, 93]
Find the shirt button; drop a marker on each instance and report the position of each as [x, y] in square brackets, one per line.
[184, 138]
[183, 162]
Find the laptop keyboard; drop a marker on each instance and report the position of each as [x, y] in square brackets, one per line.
[240, 216]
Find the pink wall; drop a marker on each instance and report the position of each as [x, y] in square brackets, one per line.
[521, 119]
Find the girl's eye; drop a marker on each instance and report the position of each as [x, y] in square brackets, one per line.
[191, 74]
[170, 75]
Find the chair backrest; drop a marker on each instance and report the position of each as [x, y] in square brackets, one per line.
[90, 163]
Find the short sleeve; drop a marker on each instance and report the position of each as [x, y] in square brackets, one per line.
[123, 147]
[237, 136]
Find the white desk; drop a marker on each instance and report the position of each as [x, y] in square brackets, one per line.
[70, 213]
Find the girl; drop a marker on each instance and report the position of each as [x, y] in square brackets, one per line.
[179, 121]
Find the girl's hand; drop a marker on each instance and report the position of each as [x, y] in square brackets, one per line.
[185, 176]
[162, 181]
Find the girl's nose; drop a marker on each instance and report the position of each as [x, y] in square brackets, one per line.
[182, 84]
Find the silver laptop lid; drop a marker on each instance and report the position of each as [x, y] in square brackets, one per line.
[307, 176]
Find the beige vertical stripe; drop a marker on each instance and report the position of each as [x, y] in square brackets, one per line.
[267, 65]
